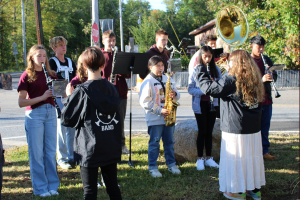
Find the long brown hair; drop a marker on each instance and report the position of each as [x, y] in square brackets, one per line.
[248, 77]
[80, 70]
[30, 63]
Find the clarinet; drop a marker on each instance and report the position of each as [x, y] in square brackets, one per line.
[113, 76]
[212, 108]
[268, 72]
[50, 87]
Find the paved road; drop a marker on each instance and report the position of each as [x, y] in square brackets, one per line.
[285, 114]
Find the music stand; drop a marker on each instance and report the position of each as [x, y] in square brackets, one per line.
[131, 63]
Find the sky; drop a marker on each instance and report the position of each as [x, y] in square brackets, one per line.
[155, 4]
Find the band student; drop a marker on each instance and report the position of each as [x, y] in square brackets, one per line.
[40, 122]
[65, 69]
[93, 109]
[82, 74]
[201, 106]
[151, 98]
[241, 91]
[159, 49]
[109, 41]
[258, 47]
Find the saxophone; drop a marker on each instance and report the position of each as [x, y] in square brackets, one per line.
[170, 104]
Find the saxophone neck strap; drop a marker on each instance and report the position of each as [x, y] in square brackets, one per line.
[159, 79]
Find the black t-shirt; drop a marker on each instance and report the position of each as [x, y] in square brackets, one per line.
[61, 75]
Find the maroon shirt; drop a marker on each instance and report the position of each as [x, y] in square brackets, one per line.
[36, 88]
[120, 81]
[165, 55]
[260, 64]
[76, 81]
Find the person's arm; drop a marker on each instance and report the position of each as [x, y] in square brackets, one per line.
[28, 102]
[192, 88]
[74, 106]
[74, 69]
[147, 100]
[217, 89]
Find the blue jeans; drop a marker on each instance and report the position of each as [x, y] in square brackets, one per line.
[266, 116]
[65, 140]
[40, 127]
[166, 133]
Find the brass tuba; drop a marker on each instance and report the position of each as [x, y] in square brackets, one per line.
[232, 25]
[233, 28]
[170, 104]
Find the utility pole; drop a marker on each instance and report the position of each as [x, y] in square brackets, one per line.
[38, 22]
[95, 19]
[121, 25]
[24, 39]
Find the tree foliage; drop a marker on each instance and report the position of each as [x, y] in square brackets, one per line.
[276, 20]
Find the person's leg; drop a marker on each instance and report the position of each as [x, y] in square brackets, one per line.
[34, 128]
[89, 177]
[109, 173]
[168, 142]
[50, 149]
[155, 133]
[211, 118]
[70, 140]
[1, 164]
[202, 127]
[62, 151]
[266, 115]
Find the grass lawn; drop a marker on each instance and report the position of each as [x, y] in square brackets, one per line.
[282, 176]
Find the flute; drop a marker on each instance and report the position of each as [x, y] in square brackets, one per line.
[50, 87]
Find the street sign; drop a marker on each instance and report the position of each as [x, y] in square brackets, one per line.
[95, 33]
[15, 50]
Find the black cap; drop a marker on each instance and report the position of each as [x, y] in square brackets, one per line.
[258, 40]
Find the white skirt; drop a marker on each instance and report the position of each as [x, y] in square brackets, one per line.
[241, 162]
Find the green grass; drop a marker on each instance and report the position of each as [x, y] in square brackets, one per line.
[282, 176]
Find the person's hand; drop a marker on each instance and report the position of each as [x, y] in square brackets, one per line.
[47, 94]
[172, 94]
[224, 55]
[227, 67]
[69, 89]
[53, 72]
[165, 112]
[267, 77]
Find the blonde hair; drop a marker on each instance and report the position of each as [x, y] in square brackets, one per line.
[80, 70]
[248, 77]
[56, 41]
[30, 63]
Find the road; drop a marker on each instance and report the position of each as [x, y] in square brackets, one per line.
[285, 114]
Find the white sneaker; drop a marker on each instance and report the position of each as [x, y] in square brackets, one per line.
[155, 173]
[174, 170]
[200, 164]
[211, 163]
[46, 194]
[65, 165]
[125, 150]
[53, 192]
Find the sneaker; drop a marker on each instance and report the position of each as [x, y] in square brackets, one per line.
[65, 165]
[269, 156]
[46, 194]
[155, 173]
[235, 196]
[256, 196]
[125, 150]
[200, 164]
[53, 192]
[211, 163]
[174, 170]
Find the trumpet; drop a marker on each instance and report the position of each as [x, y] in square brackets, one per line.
[277, 95]
[219, 63]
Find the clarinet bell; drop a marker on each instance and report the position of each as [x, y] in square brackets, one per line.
[277, 95]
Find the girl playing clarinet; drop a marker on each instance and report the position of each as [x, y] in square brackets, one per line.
[241, 169]
[40, 123]
[202, 108]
